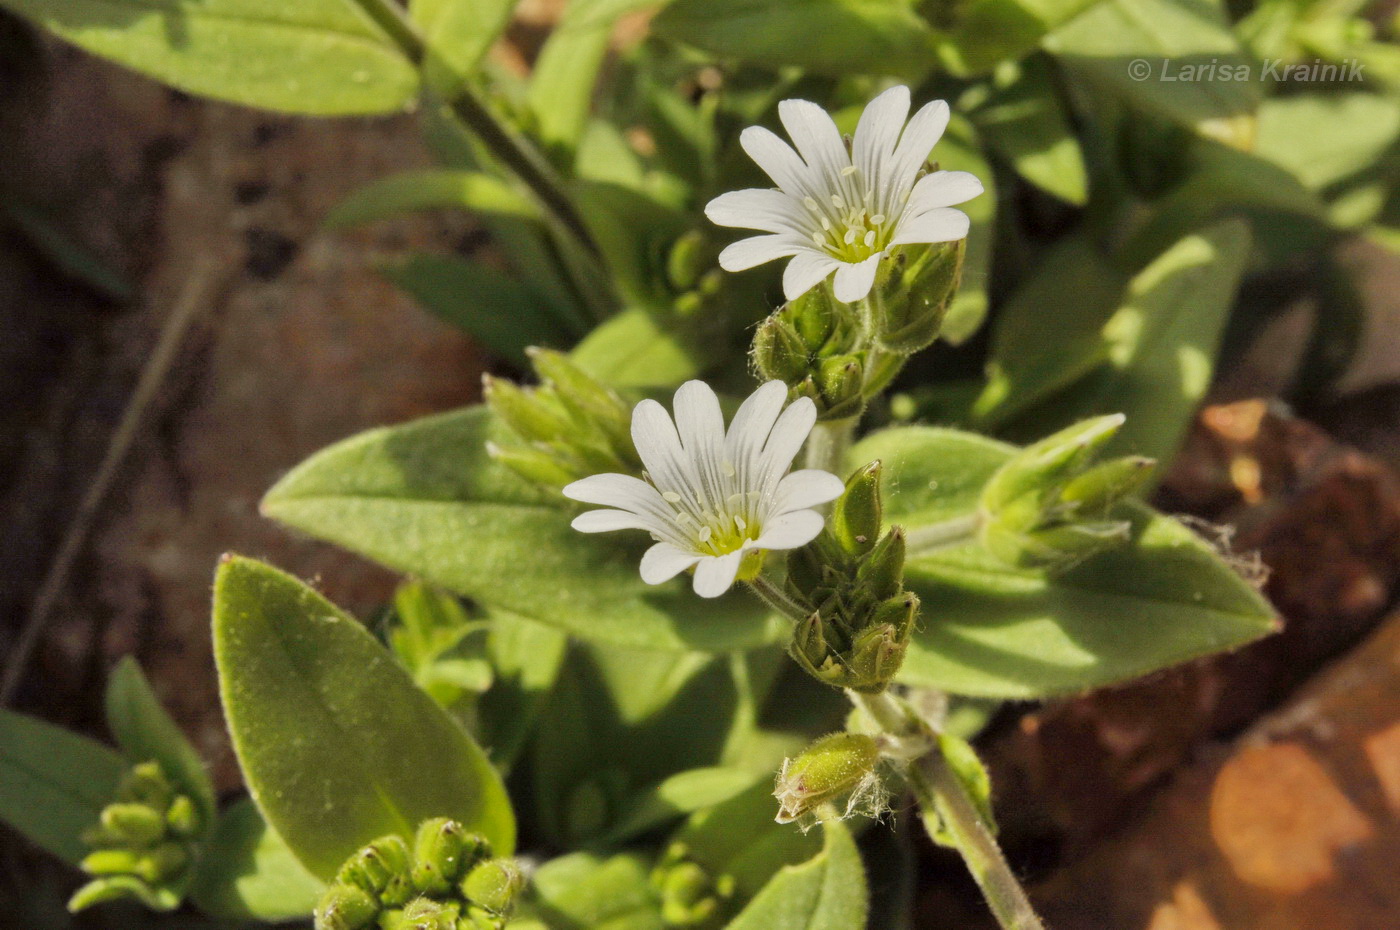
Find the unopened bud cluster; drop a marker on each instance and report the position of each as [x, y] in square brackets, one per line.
[448, 881]
[569, 427]
[842, 355]
[852, 579]
[690, 896]
[1050, 505]
[836, 767]
[143, 843]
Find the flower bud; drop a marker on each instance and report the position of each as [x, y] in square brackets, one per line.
[779, 352]
[183, 817]
[442, 851]
[881, 573]
[689, 896]
[856, 514]
[523, 411]
[134, 824]
[162, 862]
[121, 887]
[346, 907]
[1045, 467]
[425, 914]
[828, 769]
[588, 399]
[494, 885]
[1108, 482]
[840, 382]
[146, 784]
[379, 867]
[690, 256]
[912, 302]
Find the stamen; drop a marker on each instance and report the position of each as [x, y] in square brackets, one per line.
[671, 496]
[877, 219]
[683, 518]
[836, 199]
[705, 534]
[740, 523]
[817, 238]
[826, 224]
[728, 468]
[811, 204]
[850, 236]
[869, 239]
[736, 500]
[847, 171]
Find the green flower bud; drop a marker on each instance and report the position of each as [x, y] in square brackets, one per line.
[163, 862]
[443, 850]
[690, 256]
[112, 862]
[856, 514]
[478, 918]
[878, 650]
[779, 352]
[382, 869]
[840, 381]
[183, 817]
[425, 914]
[494, 885]
[830, 768]
[133, 824]
[523, 411]
[121, 887]
[585, 397]
[881, 573]
[912, 302]
[1107, 483]
[687, 897]
[146, 784]
[346, 907]
[1045, 467]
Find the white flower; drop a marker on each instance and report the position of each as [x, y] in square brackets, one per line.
[711, 497]
[842, 210]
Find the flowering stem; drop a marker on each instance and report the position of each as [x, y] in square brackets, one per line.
[947, 810]
[777, 599]
[826, 447]
[943, 535]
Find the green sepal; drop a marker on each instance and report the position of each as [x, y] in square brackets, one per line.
[346, 907]
[913, 301]
[494, 885]
[856, 514]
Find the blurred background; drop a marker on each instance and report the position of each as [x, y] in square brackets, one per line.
[1260, 789]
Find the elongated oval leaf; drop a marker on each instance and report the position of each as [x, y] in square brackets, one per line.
[247, 872]
[53, 783]
[337, 744]
[828, 892]
[425, 498]
[145, 731]
[320, 57]
[989, 630]
[429, 189]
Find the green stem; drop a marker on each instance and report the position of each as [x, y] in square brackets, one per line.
[943, 535]
[946, 808]
[777, 599]
[826, 447]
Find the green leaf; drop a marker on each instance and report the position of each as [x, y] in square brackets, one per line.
[319, 57]
[833, 37]
[247, 872]
[583, 891]
[145, 731]
[1324, 140]
[682, 793]
[458, 33]
[425, 499]
[429, 189]
[562, 82]
[337, 745]
[989, 31]
[828, 892]
[633, 350]
[53, 783]
[505, 315]
[1025, 123]
[1110, 44]
[995, 631]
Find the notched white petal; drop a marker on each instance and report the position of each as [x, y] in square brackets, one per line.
[663, 561]
[791, 530]
[715, 574]
[853, 282]
[805, 488]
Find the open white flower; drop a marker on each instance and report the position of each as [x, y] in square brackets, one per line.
[711, 497]
[839, 209]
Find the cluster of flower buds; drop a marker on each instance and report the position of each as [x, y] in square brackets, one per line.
[691, 272]
[690, 895]
[837, 766]
[814, 344]
[911, 299]
[1050, 505]
[852, 580]
[448, 881]
[143, 843]
[569, 427]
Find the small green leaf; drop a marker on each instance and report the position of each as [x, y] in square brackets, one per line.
[145, 731]
[989, 31]
[53, 783]
[1325, 139]
[682, 793]
[426, 499]
[1025, 123]
[1163, 598]
[828, 892]
[337, 745]
[633, 350]
[247, 872]
[429, 189]
[833, 37]
[319, 57]
[562, 82]
[583, 891]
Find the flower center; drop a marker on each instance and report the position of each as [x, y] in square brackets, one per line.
[717, 530]
[850, 224]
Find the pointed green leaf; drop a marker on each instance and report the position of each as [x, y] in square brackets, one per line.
[633, 350]
[828, 892]
[989, 630]
[425, 499]
[145, 731]
[53, 783]
[320, 57]
[337, 745]
[247, 872]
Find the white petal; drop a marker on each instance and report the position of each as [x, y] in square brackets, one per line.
[715, 574]
[612, 490]
[805, 488]
[655, 437]
[701, 427]
[920, 136]
[790, 530]
[805, 271]
[748, 431]
[789, 433]
[877, 132]
[755, 250]
[817, 139]
[776, 158]
[757, 208]
[943, 189]
[606, 521]
[942, 224]
[663, 561]
[853, 281]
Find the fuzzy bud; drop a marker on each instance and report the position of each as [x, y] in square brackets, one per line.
[830, 768]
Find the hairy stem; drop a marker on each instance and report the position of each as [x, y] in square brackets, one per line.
[946, 807]
[826, 447]
[943, 535]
